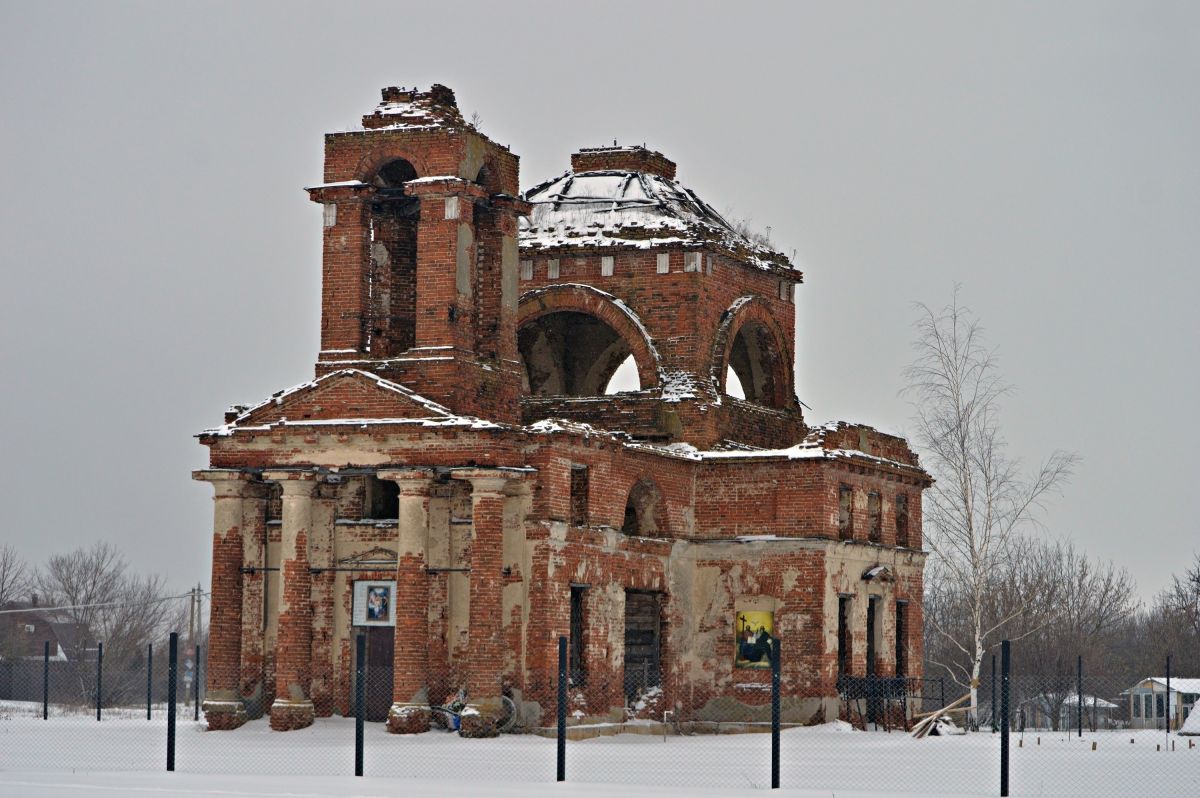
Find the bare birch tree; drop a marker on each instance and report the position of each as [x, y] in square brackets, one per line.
[980, 498]
[13, 575]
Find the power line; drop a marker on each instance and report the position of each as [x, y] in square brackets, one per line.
[189, 594]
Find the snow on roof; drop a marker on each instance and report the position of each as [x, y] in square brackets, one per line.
[412, 109]
[614, 207]
[1178, 685]
[439, 415]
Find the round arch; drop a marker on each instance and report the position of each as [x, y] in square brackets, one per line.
[645, 511]
[611, 330]
[750, 341]
[370, 164]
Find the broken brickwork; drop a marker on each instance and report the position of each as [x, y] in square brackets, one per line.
[464, 438]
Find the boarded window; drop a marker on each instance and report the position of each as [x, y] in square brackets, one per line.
[526, 270]
[845, 514]
[902, 519]
[552, 269]
[874, 517]
[691, 261]
[330, 214]
[579, 495]
[708, 264]
[577, 663]
[643, 642]
[901, 639]
[606, 266]
[664, 263]
[785, 290]
[451, 207]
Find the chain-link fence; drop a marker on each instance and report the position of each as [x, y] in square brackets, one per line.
[1070, 730]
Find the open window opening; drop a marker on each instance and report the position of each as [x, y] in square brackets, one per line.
[567, 353]
[901, 639]
[577, 662]
[381, 499]
[843, 636]
[391, 320]
[642, 510]
[757, 366]
[733, 385]
[872, 633]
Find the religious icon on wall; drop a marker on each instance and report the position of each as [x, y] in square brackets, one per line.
[373, 603]
[755, 639]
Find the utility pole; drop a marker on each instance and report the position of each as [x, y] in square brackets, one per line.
[187, 701]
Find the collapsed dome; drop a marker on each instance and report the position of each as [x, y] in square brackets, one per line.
[627, 196]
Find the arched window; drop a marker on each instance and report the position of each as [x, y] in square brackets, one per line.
[753, 359]
[643, 510]
[392, 317]
[568, 353]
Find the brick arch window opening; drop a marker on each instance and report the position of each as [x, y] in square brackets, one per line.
[642, 510]
[391, 321]
[756, 365]
[568, 353]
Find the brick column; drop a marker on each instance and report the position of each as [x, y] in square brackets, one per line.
[486, 659]
[410, 671]
[223, 707]
[293, 708]
[254, 626]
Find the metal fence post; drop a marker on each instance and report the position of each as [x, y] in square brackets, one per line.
[360, 698]
[1079, 692]
[942, 685]
[99, 676]
[172, 678]
[196, 688]
[149, 678]
[562, 709]
[1167, 719]
[46, 681]
[1005, 721]
[776, 656]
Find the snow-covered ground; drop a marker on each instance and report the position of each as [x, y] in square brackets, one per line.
[74, 755]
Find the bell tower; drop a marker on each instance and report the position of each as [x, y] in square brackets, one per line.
[419, 273]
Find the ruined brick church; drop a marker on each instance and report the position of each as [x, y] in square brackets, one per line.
[464, 481]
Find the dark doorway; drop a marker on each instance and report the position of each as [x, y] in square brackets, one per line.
[378, 671]
[643, 641]
[843, 633]
[872, 603]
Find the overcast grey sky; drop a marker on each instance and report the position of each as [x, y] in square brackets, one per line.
[160, 260]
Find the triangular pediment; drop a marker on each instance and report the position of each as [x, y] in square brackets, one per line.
[349, 395]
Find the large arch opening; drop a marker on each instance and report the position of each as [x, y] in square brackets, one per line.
[392, 320]
[753, 359]
[569, 353]
[750, 359]
[643, 510]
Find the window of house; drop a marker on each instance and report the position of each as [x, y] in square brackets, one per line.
[691, 261]
[1158, 705]
[1137, 706]
[576, 662]
[902, 519]
[843, 635]
[664, 263]
[901, 639]
[579, 495]
[526, 270]
[552, 269]
[845, 516]
[606, 265]
[1148, 700]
